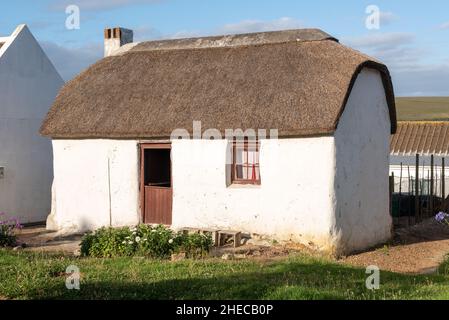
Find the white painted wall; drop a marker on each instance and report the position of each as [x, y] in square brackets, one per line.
[362, 141]
[96, 181]
[294, 201]
[28, 85]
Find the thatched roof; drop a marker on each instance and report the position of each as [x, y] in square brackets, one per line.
[296, 81]
[422, 137]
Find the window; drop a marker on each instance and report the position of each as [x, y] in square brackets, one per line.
[245, 162]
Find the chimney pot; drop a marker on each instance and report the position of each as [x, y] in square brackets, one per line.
[114, 38]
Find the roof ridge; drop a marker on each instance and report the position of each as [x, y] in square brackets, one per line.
[423, 122]
[235, 40]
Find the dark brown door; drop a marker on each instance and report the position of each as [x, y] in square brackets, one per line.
[156, 183]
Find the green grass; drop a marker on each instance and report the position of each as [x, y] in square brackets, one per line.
[422, 108]
[26, 275]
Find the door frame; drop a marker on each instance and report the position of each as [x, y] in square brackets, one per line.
[142, 147]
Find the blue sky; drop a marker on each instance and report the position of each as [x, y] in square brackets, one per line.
[413, 39]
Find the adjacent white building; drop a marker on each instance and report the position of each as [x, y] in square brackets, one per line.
[28, 85]
[119, 158]
[425, 139]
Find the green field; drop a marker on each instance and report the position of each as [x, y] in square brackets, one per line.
[422, 108]
[26, 275]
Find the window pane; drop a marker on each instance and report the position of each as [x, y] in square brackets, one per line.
[252, 157]
[240, 156]
[245, 172]
[239, 171]
[250, 172]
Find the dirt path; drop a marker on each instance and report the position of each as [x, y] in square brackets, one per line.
[417, 250]
[40, 239]
[420, 249]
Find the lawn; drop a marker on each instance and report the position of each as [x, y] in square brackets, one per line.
[422, 108]
[26, 275]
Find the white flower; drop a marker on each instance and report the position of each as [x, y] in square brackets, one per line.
[137, 239]
[124, 242]
[132, 229]
[153, 230]
[170, 241]
[130, 242]
[144, 239]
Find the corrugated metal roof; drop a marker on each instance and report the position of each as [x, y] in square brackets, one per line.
[423, 137]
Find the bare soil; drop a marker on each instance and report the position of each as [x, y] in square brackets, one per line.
[40, 239]
[416, 250]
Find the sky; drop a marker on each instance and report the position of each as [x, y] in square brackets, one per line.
[412, 37]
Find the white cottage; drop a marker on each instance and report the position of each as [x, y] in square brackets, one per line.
[28, 85]
[119, 159]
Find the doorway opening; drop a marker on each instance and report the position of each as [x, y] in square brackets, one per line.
[156, 183]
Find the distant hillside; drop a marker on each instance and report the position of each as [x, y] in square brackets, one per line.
[423, 108]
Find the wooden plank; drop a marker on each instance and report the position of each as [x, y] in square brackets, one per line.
[156, 145]
[158, 205]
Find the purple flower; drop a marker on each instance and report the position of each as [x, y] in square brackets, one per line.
[441, 216]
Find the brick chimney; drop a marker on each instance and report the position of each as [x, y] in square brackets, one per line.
[114, 38]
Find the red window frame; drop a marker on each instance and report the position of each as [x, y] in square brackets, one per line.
[247, 146]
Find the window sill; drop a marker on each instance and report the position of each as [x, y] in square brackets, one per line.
[244, 186]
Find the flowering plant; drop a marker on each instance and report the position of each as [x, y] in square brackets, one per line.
[442, 217]
[7, 230]
[144, 240]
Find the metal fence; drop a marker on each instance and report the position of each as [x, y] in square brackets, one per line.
[418, 192]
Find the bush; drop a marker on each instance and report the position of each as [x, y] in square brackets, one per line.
[143, 240]
[7, 230]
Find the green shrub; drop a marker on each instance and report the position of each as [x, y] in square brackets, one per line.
[108, 242]
[196, 244]
[143, 240]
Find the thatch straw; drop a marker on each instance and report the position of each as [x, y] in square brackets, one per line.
[295, 81]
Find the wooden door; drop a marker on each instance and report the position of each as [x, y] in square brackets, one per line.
[158, 205]
[156, 184]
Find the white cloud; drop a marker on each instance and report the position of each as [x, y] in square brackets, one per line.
[93, 5]
[383, 40]
[396, 50]
[387, 18]
[145, 33]
[411, 76]
[244, 26]
[186, 34]
[247, 26]
[430, 80]
[71, 61]
[444, 25]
